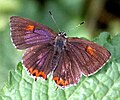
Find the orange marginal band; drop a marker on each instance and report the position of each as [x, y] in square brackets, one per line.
[29, 28]
[42, 74]
[37, 73]
[60, 81]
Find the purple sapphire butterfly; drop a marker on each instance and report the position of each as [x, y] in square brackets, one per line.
[47, 51]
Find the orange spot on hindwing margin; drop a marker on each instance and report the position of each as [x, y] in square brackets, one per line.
[60, 81]
[42, 74]
[91, 51]
[29, 28]
[36, 73]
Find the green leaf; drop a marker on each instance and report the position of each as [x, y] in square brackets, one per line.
[104, 85]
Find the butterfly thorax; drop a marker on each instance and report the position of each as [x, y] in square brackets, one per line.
[60, 42]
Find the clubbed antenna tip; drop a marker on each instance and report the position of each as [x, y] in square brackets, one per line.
[54, 20]
[50, 12]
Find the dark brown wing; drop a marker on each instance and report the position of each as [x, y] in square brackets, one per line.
[68, 71]
[90, 56]
[26, 33]
[37, 60]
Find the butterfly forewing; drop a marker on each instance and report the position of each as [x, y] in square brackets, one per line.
[27, 33]
[90, 56]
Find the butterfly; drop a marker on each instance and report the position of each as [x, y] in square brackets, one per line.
[48, 52]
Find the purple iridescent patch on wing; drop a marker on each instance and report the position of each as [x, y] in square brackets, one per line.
[43, 33]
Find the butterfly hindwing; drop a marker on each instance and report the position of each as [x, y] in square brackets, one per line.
[37, 60]
[26, 33]
[90, 56]
[67, 72]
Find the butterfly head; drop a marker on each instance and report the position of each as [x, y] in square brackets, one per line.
[62, 34]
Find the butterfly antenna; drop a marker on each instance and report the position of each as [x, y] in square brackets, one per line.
[54, 20]
[77, 26]
[80, 24]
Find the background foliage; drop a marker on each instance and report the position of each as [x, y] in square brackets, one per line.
[98, 17]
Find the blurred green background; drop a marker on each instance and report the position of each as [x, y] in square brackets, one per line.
[99, 16]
